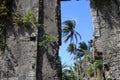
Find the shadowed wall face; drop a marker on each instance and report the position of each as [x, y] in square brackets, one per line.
[106, 20]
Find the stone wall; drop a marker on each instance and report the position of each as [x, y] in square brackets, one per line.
[49, 66]
[106, 21]
[23, 58]
[18, 61]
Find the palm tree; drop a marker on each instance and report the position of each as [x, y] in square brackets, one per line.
[69, 31]
[82, 50]
[78, 53]
[72, 48]
[67, 72]
[64, 71]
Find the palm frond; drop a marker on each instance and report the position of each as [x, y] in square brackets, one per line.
[76, 38]
[69, 31]
[83, 46]
[78, 35]
[71, 48]
[70, 23]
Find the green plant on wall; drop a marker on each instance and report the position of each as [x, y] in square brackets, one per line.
[27, 19]
[3, 8]
[95, 69]
[90, 59]
[48, 38]
[90, 72]
[98, 64]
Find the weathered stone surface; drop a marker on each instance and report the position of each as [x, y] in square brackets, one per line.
[106, 20]
[49, 66]
[23, 58]
[18, 61]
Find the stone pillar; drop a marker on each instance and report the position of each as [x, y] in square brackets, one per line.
[48, 63]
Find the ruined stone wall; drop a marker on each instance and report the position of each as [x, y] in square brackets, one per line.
[18, 61]
[106, 21]
[49, 65]
[23, 58]
[51, 57]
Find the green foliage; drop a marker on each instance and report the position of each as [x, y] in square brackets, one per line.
[71, 48]
[90, 59]
[3, 8]
[98, 64]
[16, 18]
[69, 32]
[48, 38]
[90, 72]
[28, 19]
[83, 45]
[82, 50]
[68, 72]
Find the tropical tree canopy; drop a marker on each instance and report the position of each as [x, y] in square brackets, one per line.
[68, 72]
[69, 32]
[82, 50]
[71, 48]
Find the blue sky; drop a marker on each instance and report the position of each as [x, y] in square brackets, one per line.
[79, 11]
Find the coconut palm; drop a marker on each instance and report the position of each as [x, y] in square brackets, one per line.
[69, 32]
[72, 48]
[67, 72]
[64, 71]
[82, 50]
